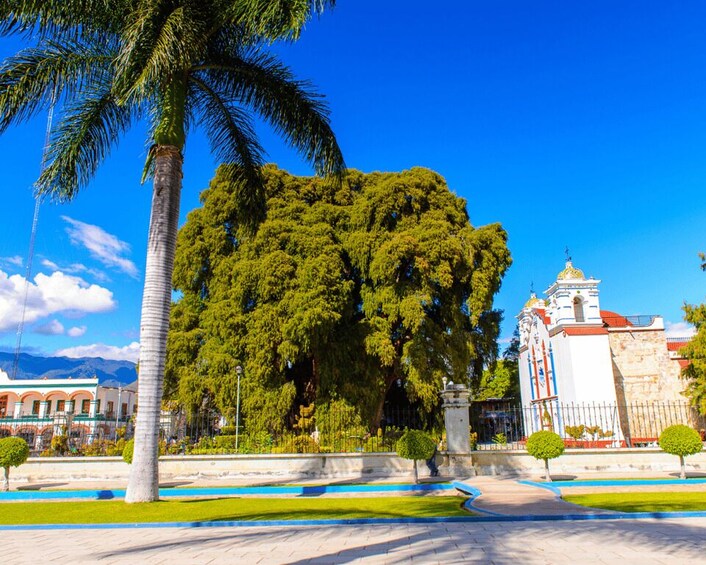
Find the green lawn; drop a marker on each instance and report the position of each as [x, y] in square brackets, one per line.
[199, 510]
[642, 501]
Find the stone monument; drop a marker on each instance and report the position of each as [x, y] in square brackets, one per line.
[457, 457]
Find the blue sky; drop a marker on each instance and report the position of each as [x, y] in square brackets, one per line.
[572, 123]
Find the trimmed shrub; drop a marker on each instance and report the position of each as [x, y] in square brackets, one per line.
[224, 442]
[13, 452]
[415, 445]
[575, 432]
[128, 451]
[545, 445]
[305, 444]
[680, 440]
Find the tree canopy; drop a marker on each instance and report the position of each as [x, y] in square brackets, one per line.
[501, 379]
[695, 352]
[342, 291]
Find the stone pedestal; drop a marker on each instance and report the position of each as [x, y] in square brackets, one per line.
[456, 460]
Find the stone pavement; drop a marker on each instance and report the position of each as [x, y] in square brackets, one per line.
[644, 542]
[505, 496]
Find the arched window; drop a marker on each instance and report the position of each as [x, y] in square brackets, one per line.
[578, 310]
[3, 405]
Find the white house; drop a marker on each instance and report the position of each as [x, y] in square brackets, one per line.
[36, 409]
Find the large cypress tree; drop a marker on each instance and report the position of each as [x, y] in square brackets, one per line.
[342, 292]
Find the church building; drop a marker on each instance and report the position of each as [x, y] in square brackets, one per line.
[574, 353]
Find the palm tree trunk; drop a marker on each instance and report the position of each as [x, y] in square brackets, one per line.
[143, 485]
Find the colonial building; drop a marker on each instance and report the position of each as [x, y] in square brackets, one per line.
[82, 408]
[573, 352]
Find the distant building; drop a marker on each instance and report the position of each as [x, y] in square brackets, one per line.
[571, 351]
[37, 409]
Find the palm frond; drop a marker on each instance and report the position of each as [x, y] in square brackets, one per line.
[81, 141]
[32, 77]
[234, 142]
[63, 18]
[294, 110]
[163, 38]
[273, 19]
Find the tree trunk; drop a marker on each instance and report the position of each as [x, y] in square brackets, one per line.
[143, 485]
[416, 472]
[683, 467]
[377, 415]
[6, 482]
[546, 469]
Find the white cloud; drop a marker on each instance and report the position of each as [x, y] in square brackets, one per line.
[128, 353]
[679, 329]
[55, 327]
[15, 261]
[49, 295]
[50, 265]
[75, 269]
[76, 331]
[103, 246]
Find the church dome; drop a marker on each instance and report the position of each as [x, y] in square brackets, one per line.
[533, 302]
[570, 272]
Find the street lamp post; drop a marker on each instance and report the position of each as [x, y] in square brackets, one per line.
[238, 371]
[117, 411]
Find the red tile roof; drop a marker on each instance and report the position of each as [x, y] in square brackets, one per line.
[543, 314]
[614, 320]
[578, 330]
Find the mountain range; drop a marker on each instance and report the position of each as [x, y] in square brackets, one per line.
[108, 371]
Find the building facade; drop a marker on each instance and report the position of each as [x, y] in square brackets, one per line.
[83, 409]
[573, 352]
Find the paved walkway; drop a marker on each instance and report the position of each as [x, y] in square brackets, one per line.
[505, 496]
[647, 542]
[644, 542]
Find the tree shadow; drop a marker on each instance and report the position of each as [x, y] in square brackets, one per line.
[469, 541]
[40, 486]
[689, 474]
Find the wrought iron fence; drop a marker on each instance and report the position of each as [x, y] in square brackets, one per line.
[77, 432]
[581, 425]
[331, 431]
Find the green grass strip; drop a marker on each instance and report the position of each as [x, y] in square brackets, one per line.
[642, 501]
[229, 509]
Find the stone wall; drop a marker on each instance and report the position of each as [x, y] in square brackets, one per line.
[642, 368]
[583, 462]
[251, 468]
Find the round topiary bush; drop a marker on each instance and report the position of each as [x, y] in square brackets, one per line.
[128, 451]
[680, 440]
[13, 452]
[415, 445]
[545, 445]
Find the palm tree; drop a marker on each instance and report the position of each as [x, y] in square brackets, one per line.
[178, 64]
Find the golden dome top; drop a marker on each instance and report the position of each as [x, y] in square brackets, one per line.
[533, 301]
[570, 272]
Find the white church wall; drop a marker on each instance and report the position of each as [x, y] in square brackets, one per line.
[592, 371]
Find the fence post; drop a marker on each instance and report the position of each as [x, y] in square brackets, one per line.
[457, 458]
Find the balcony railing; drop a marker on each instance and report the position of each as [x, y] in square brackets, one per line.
[641, 321]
